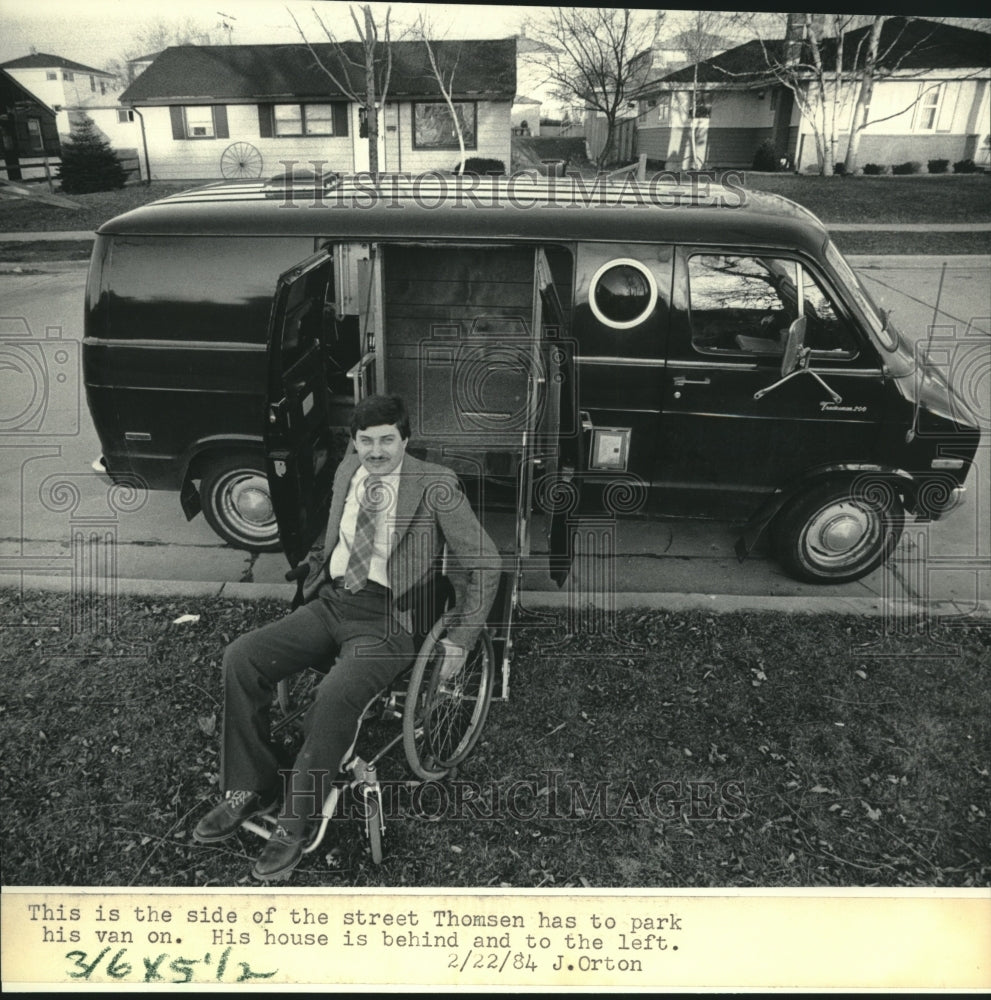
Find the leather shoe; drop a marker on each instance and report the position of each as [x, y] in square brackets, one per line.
[225, 819]
[282, 853]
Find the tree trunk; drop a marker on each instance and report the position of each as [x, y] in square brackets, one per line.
[859, 120]
[692, 135]
[371, 111]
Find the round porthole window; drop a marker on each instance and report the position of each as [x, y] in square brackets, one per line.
[622, 294]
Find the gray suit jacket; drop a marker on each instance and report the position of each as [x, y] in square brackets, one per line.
[430, 510]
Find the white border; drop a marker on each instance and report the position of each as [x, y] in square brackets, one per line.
[608, 266]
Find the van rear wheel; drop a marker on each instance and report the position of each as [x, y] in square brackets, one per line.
[237, 503]
[838, 532]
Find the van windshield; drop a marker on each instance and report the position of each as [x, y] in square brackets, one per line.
[876, 320]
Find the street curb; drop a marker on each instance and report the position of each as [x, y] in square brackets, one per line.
[979, 613]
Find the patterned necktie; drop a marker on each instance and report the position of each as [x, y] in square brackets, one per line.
[369, 507]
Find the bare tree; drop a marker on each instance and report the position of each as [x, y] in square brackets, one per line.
[366, 82]
[444, 66]
[588, 57]
[159, 35]
[831, 68]
[700, 40]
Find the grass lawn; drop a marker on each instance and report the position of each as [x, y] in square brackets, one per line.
[689, 749]
[937, 198]
[26, 215]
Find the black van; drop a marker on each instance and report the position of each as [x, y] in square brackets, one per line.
[727, 361]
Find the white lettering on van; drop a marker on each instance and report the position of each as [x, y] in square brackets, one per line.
[826, 407]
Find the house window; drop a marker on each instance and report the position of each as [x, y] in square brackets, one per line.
[124, 115]
[745, 305]
[928, 108]
[67, 76]
[35, 142]
[199, 123]
[433, 126]
[103, 86]
[664, 109]
[51, 75]
[303, 119]
[92, 83]
[701, 103]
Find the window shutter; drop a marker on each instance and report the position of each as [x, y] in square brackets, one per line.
[265, 128]
[340, 119]
[220, 129]
[178, 124]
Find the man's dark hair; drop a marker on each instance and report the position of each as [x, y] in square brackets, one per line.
[375, 410]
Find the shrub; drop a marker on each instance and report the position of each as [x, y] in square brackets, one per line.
[483, 166]
[839, 168]
[88, 161]
[766, 157]
[909, 167]
[965, 167]
[938, 166]
[874, 168]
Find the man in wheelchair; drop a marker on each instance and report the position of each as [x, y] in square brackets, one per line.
[390, 515]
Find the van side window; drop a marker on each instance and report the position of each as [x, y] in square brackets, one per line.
[743, 305]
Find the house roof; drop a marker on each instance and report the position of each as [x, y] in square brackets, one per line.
[41, 60]
[17, 93]
[246, 73]
[905, 43]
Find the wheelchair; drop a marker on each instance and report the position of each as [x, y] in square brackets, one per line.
[440, 719]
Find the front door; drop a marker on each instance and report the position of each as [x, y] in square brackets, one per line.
[728, 432]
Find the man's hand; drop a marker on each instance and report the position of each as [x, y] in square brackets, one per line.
[454, 659]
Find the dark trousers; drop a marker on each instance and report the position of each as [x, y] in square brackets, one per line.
[365, 647]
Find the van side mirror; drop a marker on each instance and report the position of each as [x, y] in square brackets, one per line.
[795, 361]
[793, 355]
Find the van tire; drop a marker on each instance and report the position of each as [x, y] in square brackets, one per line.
[237, 503]
[837, 532]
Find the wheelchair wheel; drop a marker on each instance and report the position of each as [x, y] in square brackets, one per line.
[442, 721]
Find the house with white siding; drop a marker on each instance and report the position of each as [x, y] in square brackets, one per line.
[227, 111]
[930, 101]
[70, 89]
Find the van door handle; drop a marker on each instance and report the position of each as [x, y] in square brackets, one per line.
[681, 380]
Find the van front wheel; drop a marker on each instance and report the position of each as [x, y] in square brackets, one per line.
[237, 503]
[837, 532]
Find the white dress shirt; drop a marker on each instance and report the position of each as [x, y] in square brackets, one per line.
[385, 522]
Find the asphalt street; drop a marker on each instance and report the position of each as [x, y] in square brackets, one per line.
[49, 494]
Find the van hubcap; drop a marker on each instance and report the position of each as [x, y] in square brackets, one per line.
[249, 504]
[843, 533]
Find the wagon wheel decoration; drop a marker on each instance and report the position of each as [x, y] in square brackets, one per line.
[241, 159]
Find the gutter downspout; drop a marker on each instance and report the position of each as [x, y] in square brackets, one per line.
[144, 143]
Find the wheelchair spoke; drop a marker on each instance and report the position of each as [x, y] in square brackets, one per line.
[448, 715]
